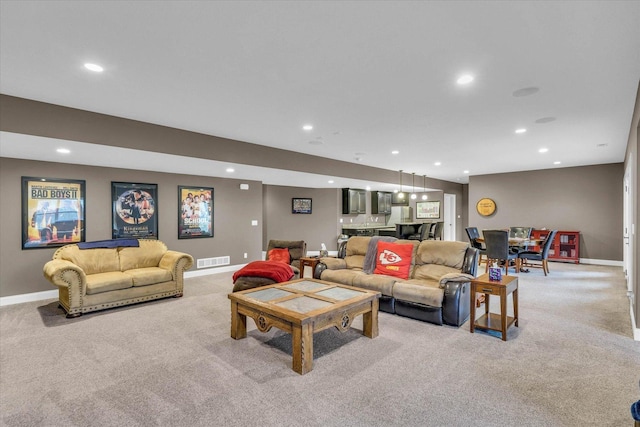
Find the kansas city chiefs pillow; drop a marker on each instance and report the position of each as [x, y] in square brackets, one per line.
[394, 259]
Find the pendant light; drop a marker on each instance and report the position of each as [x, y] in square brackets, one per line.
[424, 187]
[413, 187]
[401, 194]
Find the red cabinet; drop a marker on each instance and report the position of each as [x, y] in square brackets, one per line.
[565, 246]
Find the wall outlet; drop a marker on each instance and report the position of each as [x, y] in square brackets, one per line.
[245, 254]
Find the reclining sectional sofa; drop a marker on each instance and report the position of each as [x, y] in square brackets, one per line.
[435, 290]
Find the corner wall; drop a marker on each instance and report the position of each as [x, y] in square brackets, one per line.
[321, 226]
[586, 199]
[234, 209]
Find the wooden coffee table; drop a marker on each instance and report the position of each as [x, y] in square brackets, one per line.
[302, 307]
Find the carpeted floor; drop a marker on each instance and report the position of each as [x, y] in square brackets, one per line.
[572, 362]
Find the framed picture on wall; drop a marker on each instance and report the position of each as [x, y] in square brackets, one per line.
[428, 210]
[134, 210]
[195, 212]
[300, 205]
[53, 212]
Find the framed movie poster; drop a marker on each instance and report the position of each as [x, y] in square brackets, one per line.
[135, 210]
[195, 212]
[52, 212]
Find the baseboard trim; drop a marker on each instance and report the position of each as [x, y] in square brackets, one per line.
[608, 262]
[215, 270]
[636, 331]
[34, 296]
[39, 296]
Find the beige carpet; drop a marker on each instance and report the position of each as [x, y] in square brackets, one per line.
[572, 362]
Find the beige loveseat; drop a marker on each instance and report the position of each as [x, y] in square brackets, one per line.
[100, 278]
[436, 290]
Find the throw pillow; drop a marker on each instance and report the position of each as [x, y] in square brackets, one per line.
[394, 259]
[279, 254]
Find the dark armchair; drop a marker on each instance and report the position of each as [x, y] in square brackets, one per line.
[541, 256]
[297, 249]
[497, 243]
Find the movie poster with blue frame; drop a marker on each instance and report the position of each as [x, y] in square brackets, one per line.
[134, 210]
[195, 212]
[53, 212]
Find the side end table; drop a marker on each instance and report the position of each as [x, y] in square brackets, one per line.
[308, 262]
[495, 322]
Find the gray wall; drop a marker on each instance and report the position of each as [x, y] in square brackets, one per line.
[321, 226]
[234, 209]
[586, 199]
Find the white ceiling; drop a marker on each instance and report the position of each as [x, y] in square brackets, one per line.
[371, 77]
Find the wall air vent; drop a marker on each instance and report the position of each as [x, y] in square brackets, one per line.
[213, 262]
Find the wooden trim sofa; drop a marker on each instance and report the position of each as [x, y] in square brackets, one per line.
[104, 277]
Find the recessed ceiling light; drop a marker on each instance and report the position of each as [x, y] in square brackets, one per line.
[557, 162]
[307, 127]
[465, 79]
[465, 171]
[93, 67]
[395, 152]
[330, 181]
[230, 170]
[521, 130]
[437, 163]
[602, 145]
[543, 150]
[368, 188]
[63, 150]
[316, 142]
[545, 120]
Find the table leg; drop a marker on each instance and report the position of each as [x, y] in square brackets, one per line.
[302, 343]
[515, 305]
[503, 316]
[370, 320]
[487, 298]
[238, 323]
[472, 315]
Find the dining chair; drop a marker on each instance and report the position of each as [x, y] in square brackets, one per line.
[473, 234]
[541, 256]
[497, 244]
[420, 233]
[437, 229]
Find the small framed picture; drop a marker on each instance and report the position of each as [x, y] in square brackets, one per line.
[428, 210]
[300, 205]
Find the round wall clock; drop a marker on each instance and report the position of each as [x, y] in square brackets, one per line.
[486, 207]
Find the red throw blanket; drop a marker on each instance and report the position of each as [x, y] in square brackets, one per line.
[274, 270]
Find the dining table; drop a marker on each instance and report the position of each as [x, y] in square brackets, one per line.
[518, 242]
